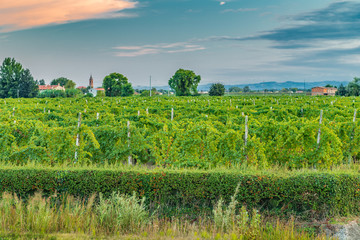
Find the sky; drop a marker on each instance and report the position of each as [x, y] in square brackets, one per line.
[231, 42]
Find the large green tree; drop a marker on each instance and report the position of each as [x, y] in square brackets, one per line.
[184, 82]
[341, 91]
[116, 84]
[353, 88]
[217, 89]
[15, 81]
[64, 82]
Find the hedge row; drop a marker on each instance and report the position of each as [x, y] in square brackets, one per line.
[318, 194]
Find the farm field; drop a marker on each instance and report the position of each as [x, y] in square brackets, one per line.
[205, 132]
[287, 156]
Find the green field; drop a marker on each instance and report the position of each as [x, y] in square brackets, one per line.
[205, 132]
[190, 153]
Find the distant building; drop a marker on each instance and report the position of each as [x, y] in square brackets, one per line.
[43, 88]
[92, 90]
[81, 87]
[326, 91]
[91, 82]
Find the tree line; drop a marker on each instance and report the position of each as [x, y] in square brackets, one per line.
[352, 89]
[16, 81]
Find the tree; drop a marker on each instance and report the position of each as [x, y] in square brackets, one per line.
[73, 92]
[184, 82]
[15, 81]
[246, 89]
[146, 93]
[64, 82]
[341, 91]
[116, 84]
[127, 90]
[27, 86]
[70, 85]
[217, 89]
[235, 89]
[52, 94]
[42, 82]
[100, 94]
[353, 88]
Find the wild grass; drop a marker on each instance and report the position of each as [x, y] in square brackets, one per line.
[353, 168]
[127, 217]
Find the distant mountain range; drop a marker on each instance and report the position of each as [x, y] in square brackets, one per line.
[265, 85]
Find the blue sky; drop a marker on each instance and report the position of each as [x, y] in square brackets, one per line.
[237, 41]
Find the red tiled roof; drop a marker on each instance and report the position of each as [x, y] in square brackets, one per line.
[100, 89]
[81, 87]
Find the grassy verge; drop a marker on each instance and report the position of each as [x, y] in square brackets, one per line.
[128, 217]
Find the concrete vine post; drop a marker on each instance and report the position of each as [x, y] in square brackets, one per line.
[129, 157]
[78, 138]
[246, 130]
[319, 132]
[352, 136]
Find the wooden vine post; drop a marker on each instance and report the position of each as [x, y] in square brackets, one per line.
[172, 114]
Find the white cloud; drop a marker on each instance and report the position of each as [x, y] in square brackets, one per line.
[23, 14]
[240, 10]
[178, 47]
[350, 59]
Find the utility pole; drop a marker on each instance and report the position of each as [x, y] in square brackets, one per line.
[150, 85]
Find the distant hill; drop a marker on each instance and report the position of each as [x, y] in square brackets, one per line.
[264, 85]
[279, 85]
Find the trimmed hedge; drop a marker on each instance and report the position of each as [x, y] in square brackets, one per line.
[309, 194]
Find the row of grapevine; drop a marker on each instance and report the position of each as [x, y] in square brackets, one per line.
[182, 132]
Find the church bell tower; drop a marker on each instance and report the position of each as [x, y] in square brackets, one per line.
[91, 82]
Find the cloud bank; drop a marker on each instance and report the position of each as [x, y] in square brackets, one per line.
[23, 14]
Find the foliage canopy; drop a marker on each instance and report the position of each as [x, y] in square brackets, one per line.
[64, 82]
[15, 81]
[184, 82]
[217, 89]
[116, 84]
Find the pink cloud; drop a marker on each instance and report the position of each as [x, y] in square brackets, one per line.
[22, 14]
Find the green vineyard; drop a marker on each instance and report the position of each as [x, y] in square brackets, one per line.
[196, 132]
